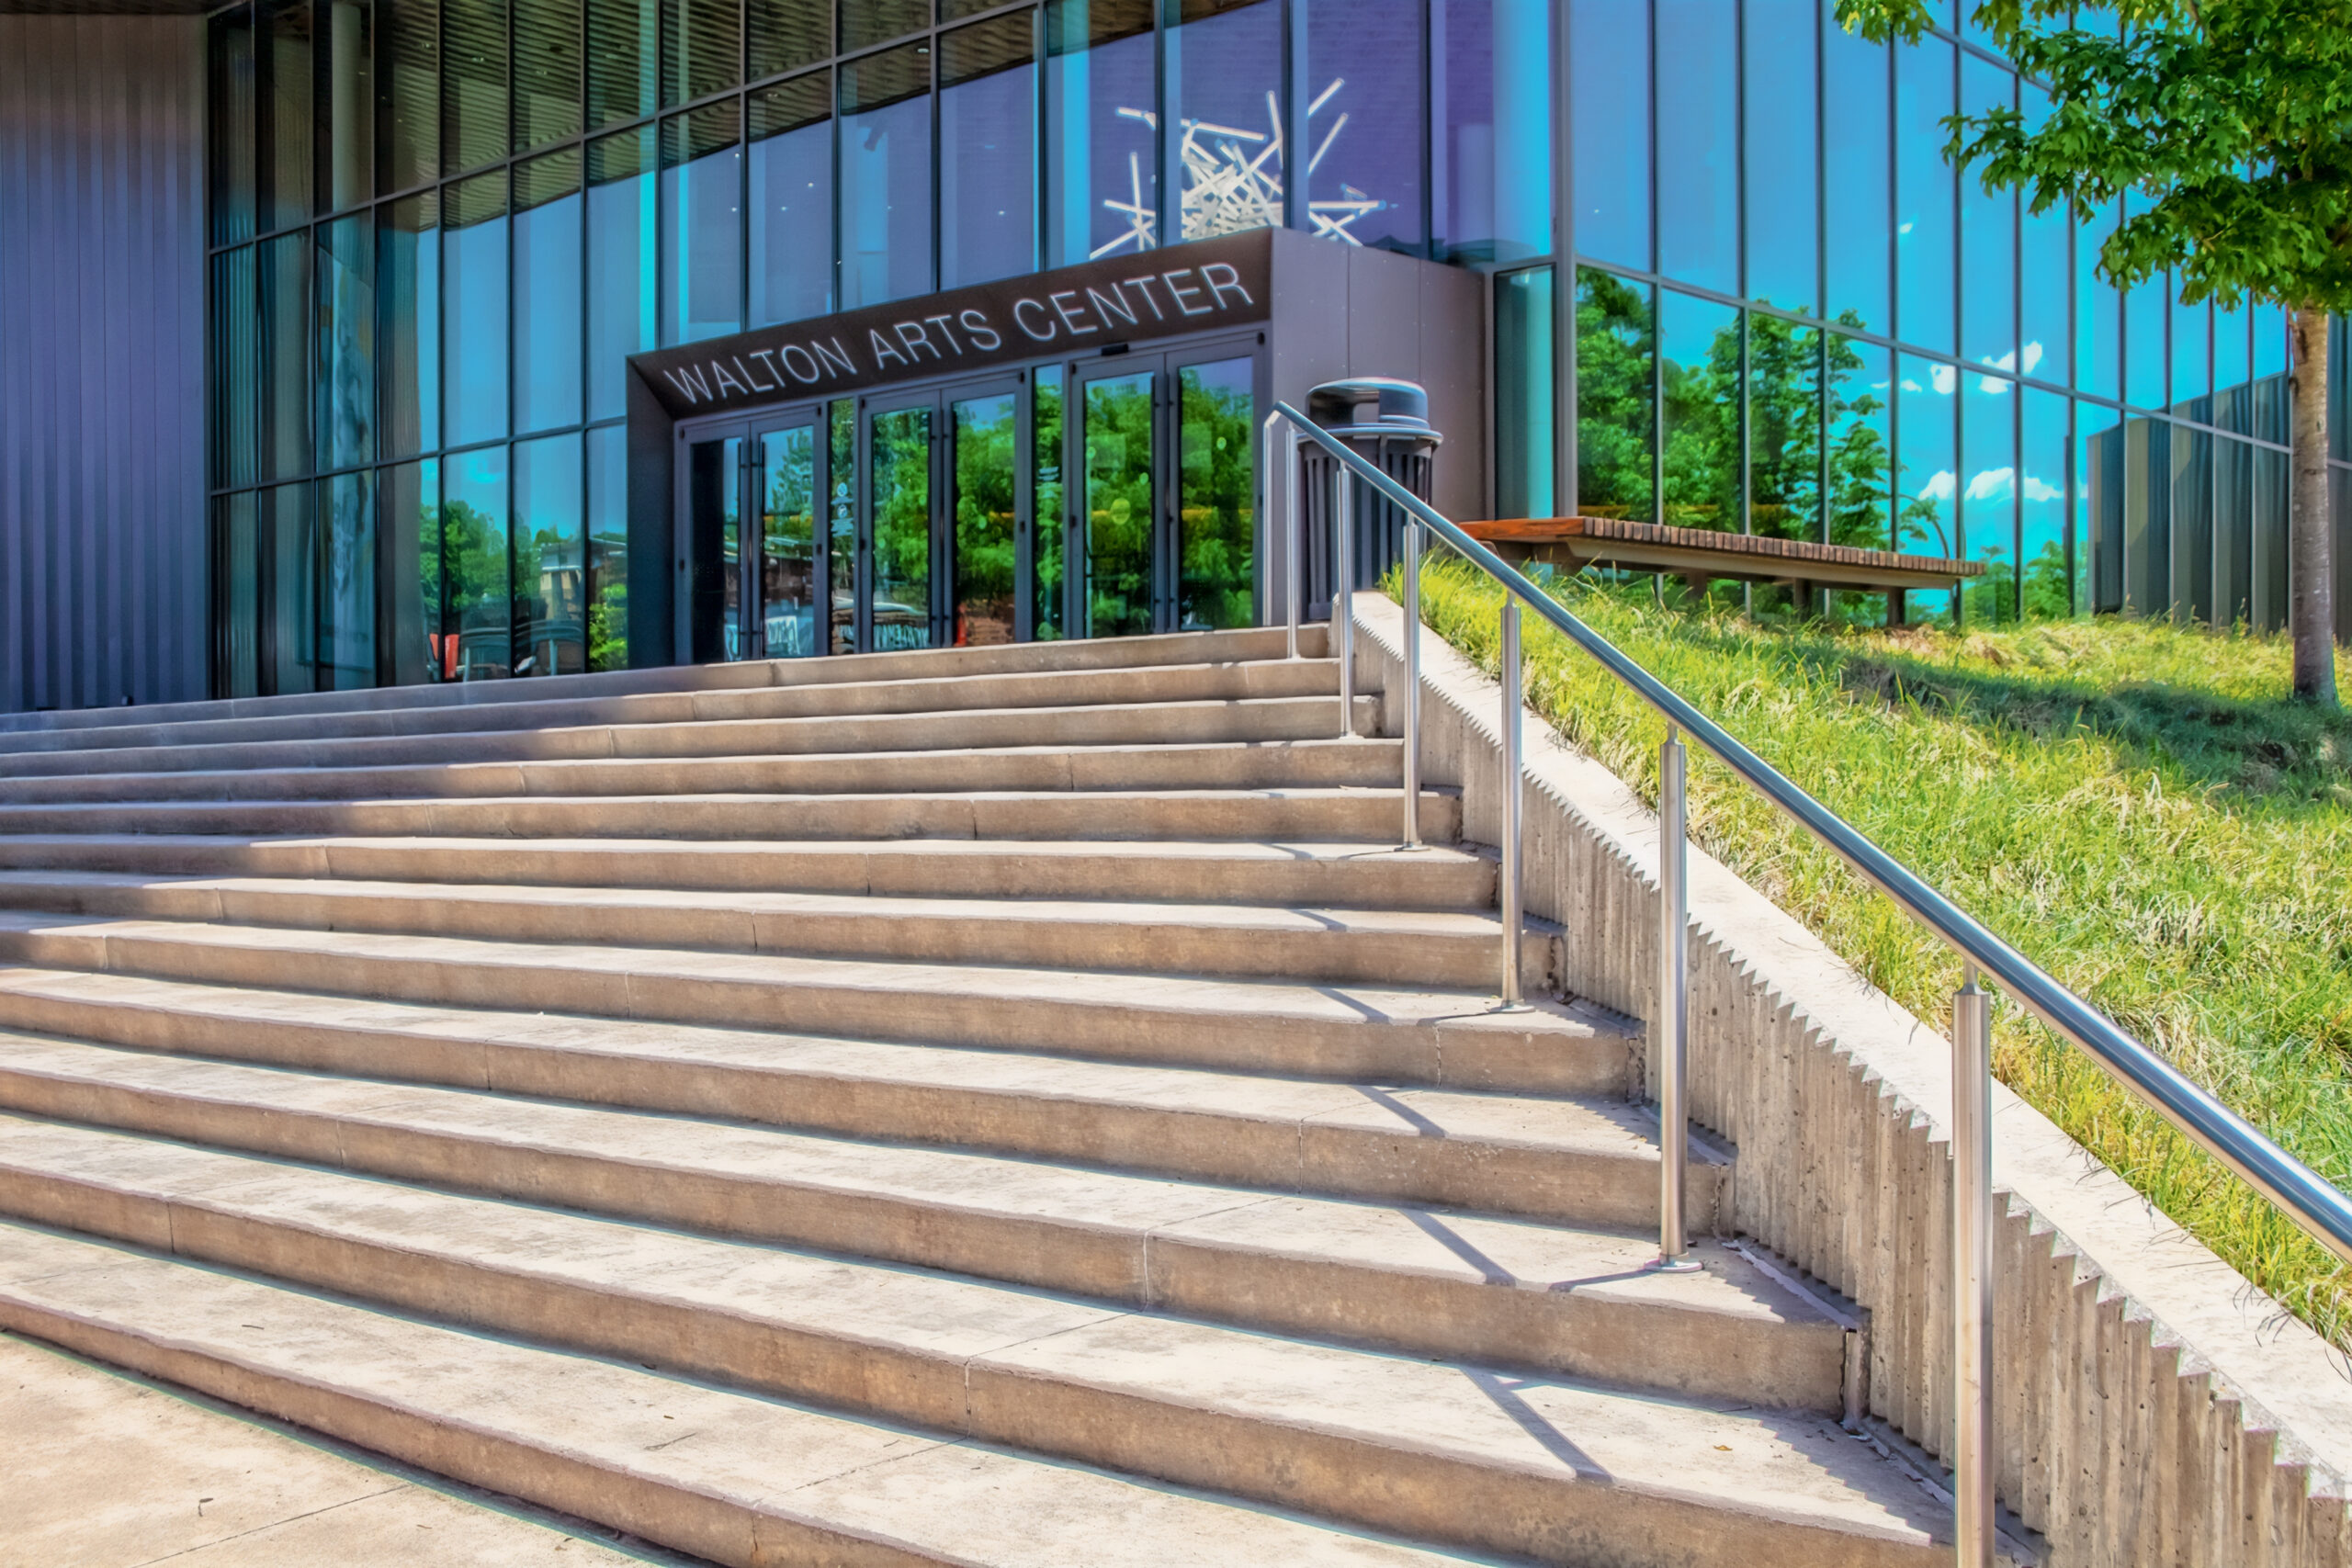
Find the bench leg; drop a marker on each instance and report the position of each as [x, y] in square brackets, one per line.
[1894, 606]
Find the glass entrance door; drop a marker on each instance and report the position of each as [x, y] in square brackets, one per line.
[751, 555]
[780, 602]
[985, 472]
[1118, 484]
[713, 589]
[898, 610]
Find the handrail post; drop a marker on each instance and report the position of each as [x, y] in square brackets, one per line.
[1344, 575]
[1972, 1253]
[1412, 566]
[1293, 588]
[1508, 847]
[1670, 1035]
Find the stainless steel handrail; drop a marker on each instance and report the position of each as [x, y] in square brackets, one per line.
[2300, 1193]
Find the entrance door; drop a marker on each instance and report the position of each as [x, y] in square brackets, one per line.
[896, 605]
[752, 556]
[780, 597]
[987, 506]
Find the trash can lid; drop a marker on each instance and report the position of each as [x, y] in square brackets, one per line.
[1404, 405]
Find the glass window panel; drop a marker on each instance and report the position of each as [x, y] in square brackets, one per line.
[1927, 483]
[1616, 343]
[2233, 544]
[1224, 75]
[2147, 516]
[547, 290]
[288, 128]
[787, 549]
[408, 331]
[1610, 41]
[475, 638]
[1047, 577]
[408, 92]
[788, 34]
[1855, 188]
[1988, 495]
[1117, 506]
[623, 231]
[868, 22]
[346, 342]
[1102, 190]
[1923, 195]
[957, 10]
[2044, 273]
[408, 509]
[473, 87]
[623, 58]
[703, 51]
[286, 355]
[702, 179]
[1858, 390]
[987, 150]
[2232, 365]
[1523, 392]
[236, 595]
[473, 309]
[2044, 546]
[2145, 353]
[840, 524]
[609, 548]
[1216, 511]
[347, 66]
[235, 358]
[983, 429]
[2098, 311]
[547, 71]
[551, 559]
[1784, 428]
[2270, 538]
[229, 94]
[1698, 144]
[2192, 340]
[899, 492]
[290, 605]
[1365, 180]
[792, 201]
[2099, 509]
[1988, 225]
[2270, 340]
[1699, 412]
[1492, 172]
[1783, 205]
[346, 645]
[885, 176]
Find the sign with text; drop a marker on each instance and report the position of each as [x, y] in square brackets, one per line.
[1077, 309]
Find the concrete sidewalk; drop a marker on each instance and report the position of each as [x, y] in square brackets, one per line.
[103, 1470]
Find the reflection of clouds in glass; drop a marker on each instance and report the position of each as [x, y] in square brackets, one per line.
[1939, 486]
[2032, 356]
[2038, 489]
[1993, 484]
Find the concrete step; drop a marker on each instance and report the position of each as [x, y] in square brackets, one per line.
[1318, 763]
[732, 1477]
[1493, 1153]
[1555, 1470]
[1365, 815]
[146, 725]
[1453, 1039]
[1458, 948]
[1575, 1301]
[1089, 723]
[1336, 876]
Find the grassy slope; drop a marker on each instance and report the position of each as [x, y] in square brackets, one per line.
[2133, 806]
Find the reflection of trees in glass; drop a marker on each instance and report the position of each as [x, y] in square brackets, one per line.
[608, 603]
[1860, 498]
[841, 522]
[984, 458]
[788, 543]
[462, 557]
[1700, 419]
[1784, 373]
[1216, 517]
[549, 596]
[901, 481]
[1616, 337]
[1118, 505]
[1045, 430]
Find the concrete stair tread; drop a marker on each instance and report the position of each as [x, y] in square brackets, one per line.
[1591, 1308]
[754, 1479]
[1358, 1428]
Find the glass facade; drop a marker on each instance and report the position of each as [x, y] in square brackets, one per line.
[440, 227]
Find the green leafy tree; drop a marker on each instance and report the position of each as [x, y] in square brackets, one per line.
[1615, 340]
[2233, 120]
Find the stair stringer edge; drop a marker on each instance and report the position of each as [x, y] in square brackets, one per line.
[2152, 1406]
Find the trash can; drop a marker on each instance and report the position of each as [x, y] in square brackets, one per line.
[1388, 422]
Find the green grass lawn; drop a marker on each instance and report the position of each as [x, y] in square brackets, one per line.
[2136, 807]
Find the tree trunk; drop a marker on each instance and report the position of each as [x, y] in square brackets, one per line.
[2311, 568]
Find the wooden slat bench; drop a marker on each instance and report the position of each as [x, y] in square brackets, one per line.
[1698, 555]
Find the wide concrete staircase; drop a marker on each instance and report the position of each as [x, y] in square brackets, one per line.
[1006, 1106]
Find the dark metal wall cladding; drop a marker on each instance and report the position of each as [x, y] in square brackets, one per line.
[102, 501]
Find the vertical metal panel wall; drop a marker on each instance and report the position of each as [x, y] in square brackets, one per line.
[102, 522]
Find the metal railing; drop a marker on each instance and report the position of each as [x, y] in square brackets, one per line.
[2306, 1198]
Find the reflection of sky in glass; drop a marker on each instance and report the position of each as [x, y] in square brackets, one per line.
[547, 314]
[1988, 489]
[1698, 144]
[700, 267]
[1988, 235]
[474, 281]
[2192, 369]
[1928, 485]
[1861, 396]
[2144, 309]
[792, 225]
[1373, 46]
[620, 287]
[1854, 154]
[2041, 506]
[1782, 210]
[1095, 153]
[2048, 348]
[886, 203]
[988, 178]
[1493, 172]
[1611, 105]
[2099, 318]
[1923, 195]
